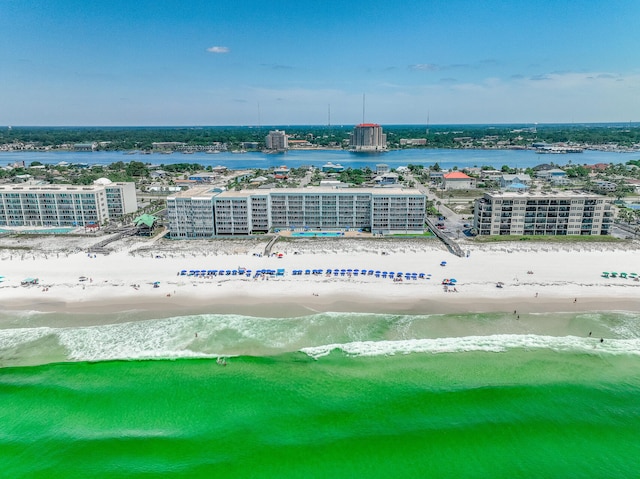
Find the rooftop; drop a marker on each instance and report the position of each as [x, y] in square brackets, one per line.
[539, 194]
[208, 192]
[456, 175]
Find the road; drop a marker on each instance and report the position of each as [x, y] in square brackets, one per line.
[453, 222]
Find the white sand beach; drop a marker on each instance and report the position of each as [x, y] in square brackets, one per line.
[536, 277]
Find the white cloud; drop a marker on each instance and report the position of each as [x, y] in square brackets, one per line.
[428, 67]
[218, 49]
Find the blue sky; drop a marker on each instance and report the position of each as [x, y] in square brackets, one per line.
[280, 62]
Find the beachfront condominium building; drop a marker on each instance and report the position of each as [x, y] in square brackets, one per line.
[367, 137]
[65, 205]
[277, 140]
[560, 213]
[205, 212]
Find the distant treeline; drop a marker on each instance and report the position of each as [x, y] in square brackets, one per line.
[437, 136]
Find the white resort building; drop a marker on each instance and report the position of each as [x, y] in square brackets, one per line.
[277, 140]
[65, 205]
[562, 213]
[205, 212]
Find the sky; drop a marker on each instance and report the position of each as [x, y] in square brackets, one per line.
[300, 62]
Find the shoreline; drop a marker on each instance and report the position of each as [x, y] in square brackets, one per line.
[296, 306]
[537, 278]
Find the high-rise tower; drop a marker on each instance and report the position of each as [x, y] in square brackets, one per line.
[368, 137]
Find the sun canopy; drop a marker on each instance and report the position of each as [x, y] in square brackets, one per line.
[146, 219]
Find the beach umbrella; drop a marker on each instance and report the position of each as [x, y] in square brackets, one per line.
[453, 280]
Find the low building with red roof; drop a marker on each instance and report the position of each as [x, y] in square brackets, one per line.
[457, 180]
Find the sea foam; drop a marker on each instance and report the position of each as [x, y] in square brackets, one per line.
[494, 343]
[355, 334]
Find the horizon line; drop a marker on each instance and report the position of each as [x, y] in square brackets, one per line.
[430, 125]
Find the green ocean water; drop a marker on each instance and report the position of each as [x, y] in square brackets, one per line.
[331, 395]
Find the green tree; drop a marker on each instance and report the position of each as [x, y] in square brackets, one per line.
[136, 168]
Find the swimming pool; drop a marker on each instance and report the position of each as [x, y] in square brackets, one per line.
[315, 234]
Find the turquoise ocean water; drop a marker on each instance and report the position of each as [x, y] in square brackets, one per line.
[327, 395]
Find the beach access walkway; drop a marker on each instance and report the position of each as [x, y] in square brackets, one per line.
[449, 242]
[129, 231]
